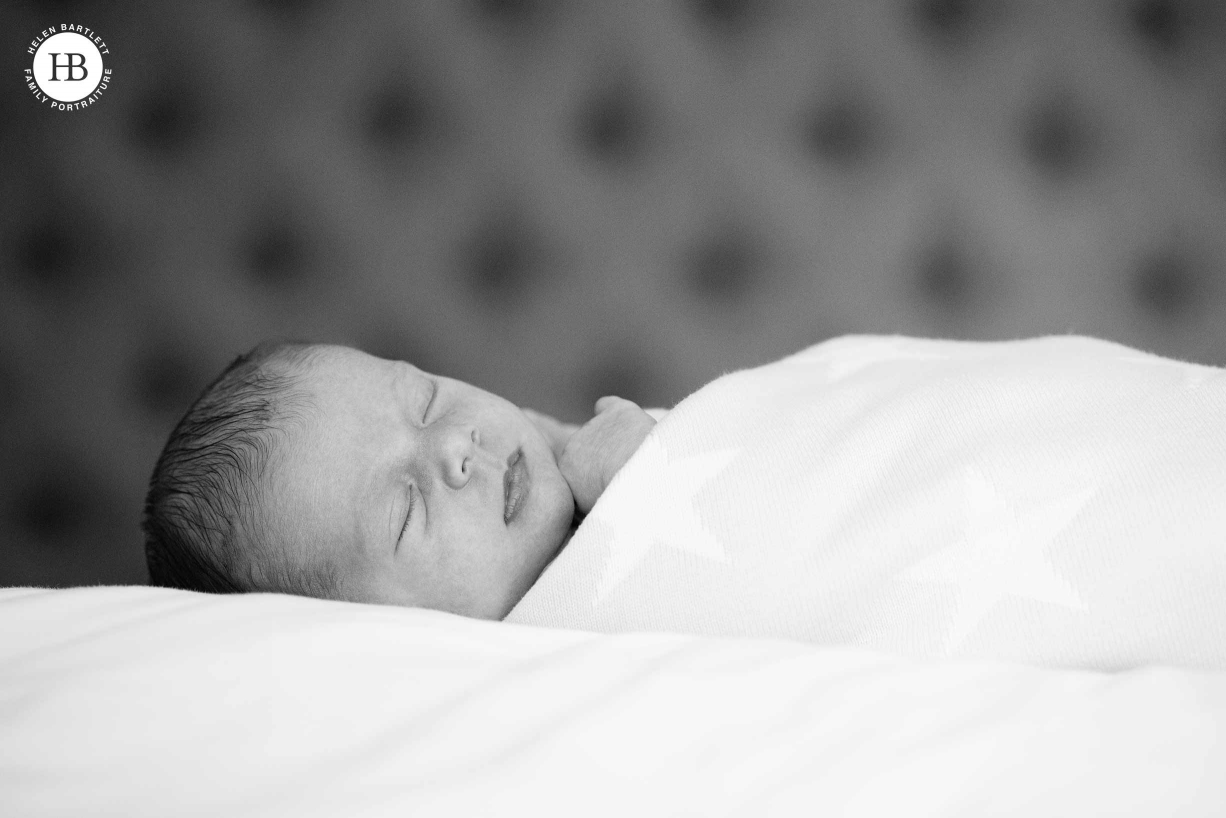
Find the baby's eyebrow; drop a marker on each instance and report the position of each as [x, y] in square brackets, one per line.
[407, 374]
[402, 379]
[420, 380]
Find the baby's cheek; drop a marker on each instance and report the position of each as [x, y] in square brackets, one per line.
[573, 470]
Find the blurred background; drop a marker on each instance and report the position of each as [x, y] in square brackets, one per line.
[558, 200]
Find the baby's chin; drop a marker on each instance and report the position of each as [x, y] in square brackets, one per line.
[570, 532]
[551, 554]
[558, 523]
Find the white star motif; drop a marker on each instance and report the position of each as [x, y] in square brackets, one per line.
[657, 508]
[1001, 554]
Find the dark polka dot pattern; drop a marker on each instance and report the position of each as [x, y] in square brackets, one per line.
[1167, 284]
[56, 503]
[512, 12]
[50, 251]
[61, 251]
[167, 119]
[167, 379]
[841, 131]
[398, 117]
[1163, 24]
[1058, 140]
[503, 260]
[729, 16]
[614, 126]
[276, 253]
[949, 23]
[639, 196]
[944, 275]
[722, 267]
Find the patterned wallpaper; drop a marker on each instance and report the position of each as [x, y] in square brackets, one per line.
[557, 200]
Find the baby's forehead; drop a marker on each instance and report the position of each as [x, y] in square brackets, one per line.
[352, 415]
[351, 397]
[339, 359]
[339, 370]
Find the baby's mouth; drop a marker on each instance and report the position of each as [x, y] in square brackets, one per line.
[515, 485]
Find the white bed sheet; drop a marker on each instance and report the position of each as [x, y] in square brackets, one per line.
[149, 702]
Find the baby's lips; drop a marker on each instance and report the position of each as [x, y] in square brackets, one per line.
[515, 485]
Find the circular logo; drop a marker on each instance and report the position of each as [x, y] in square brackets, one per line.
[68, 70]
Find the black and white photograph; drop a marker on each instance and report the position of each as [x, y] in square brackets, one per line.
[612, 408]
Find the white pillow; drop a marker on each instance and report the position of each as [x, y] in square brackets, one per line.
[146, 703]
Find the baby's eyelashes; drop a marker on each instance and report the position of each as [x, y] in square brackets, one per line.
[408, 517]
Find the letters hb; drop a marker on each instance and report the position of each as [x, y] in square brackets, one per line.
[71, 65]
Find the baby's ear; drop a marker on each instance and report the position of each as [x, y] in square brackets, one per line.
[554, 430]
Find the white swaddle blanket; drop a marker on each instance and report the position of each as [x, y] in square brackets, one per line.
[1059, 501]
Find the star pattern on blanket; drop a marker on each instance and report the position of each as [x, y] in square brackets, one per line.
[657, 509]
[1002, 553]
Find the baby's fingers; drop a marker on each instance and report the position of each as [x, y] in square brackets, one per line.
[610, 401]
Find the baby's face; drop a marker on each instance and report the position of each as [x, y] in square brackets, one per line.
[422, 490]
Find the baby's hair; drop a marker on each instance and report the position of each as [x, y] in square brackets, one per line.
[206, 528]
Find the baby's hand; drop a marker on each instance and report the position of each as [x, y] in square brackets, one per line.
[598, 450]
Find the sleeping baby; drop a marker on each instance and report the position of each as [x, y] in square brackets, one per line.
[324, 471]
[1054, 501]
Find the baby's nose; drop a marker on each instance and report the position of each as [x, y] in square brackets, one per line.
[461, 454]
